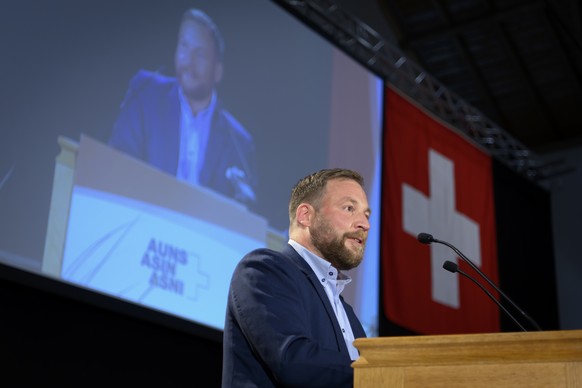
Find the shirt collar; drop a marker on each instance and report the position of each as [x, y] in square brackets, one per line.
[204, 113]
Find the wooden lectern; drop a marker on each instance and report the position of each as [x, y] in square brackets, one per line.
[533, 359]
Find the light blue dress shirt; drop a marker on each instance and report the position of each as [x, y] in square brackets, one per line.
[333, 282]
[194, 133]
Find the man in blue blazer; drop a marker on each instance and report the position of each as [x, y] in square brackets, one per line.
[178, 124]
[286, 322]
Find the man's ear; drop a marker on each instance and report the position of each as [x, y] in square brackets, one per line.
[218, 72]
[304, 214]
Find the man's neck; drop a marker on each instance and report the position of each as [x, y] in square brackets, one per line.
[198, 105]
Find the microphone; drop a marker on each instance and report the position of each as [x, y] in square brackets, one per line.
[454, 268]
[426, 238]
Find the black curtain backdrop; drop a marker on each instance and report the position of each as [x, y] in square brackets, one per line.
[525, 254]
[53, 334]
[525, 249]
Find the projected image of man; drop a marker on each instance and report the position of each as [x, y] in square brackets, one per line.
[179, 125]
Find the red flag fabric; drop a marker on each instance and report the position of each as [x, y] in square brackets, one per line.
[436, 182]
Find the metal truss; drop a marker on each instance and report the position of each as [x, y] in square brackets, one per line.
[384, 59]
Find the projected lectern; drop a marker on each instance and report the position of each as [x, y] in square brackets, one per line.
[121, 227]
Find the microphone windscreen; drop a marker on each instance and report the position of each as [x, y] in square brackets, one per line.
[450, 266]
[425, 238]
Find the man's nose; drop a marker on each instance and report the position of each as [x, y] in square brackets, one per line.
[363, 222]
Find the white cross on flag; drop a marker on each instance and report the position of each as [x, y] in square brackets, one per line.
[435, 181]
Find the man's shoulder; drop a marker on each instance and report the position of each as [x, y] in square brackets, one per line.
[152, 80]
[269, 257]
[267, 266]
[262, 254]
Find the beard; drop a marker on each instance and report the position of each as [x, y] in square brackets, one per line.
[195, 86]
[333, 246]
[194, 90]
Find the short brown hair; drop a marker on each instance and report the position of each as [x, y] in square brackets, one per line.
[200, 17]
[311, 188]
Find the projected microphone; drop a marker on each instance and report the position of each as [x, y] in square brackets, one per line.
[426, 238]
[454, 268]
[238, 178]
[241, 179]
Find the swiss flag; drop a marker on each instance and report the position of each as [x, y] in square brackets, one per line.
[435, 181]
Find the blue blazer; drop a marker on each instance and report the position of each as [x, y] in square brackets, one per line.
[280, 328]
[148, 128]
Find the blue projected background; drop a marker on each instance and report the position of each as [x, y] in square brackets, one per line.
[68, 65]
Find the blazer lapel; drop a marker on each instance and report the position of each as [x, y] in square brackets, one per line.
[216, 147]
[306, 269]
[170, 126]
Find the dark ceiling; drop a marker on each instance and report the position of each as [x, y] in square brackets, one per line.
[518, 62]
